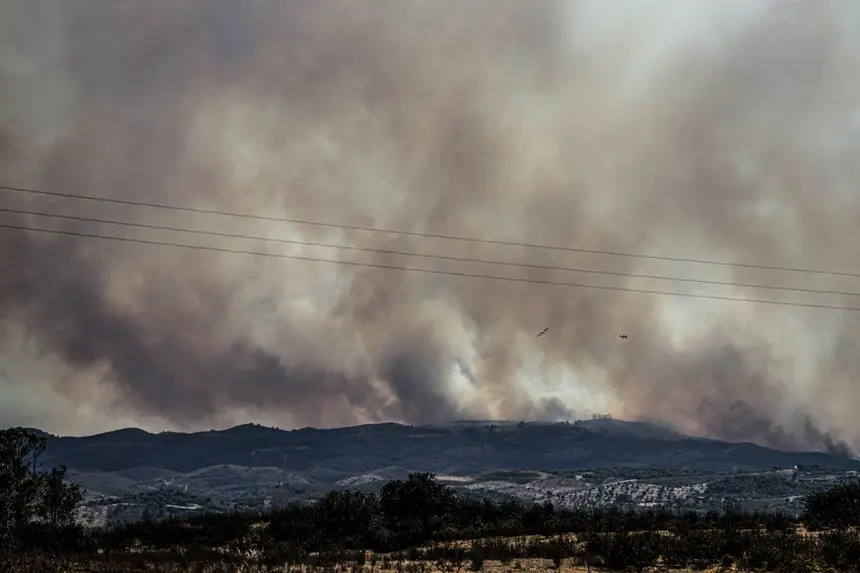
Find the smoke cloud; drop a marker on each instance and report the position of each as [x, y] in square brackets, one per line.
[723, 130]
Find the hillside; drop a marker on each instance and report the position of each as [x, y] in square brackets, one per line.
[456, 449]
[131, 473]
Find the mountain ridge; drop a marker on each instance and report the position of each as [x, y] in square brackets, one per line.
[459, 447]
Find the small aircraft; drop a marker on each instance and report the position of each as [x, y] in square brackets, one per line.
[542, 332]
[624, 336]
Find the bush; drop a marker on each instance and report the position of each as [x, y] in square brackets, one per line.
[476, 559]
[837, 507]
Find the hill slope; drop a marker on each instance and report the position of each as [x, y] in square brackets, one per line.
[131, 473]
[456, 449]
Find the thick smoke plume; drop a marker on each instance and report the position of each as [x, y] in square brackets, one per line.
[720, 129]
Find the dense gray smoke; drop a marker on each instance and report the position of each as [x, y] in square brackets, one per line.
[719, 129]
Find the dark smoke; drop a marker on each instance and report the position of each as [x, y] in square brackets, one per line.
[725, 132]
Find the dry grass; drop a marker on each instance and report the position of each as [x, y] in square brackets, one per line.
[134, 564]
[222, 560]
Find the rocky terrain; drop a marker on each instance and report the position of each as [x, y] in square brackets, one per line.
[775, 489]
[131, 474]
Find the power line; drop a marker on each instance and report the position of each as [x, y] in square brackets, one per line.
[428, 271]
[426, 255]
[426, 235]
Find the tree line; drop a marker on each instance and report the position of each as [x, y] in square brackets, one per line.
[417, 519]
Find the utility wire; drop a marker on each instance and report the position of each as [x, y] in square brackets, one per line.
[426, 255]
[428, 271]
[425, 235]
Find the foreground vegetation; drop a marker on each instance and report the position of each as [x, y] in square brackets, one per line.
[411, 526]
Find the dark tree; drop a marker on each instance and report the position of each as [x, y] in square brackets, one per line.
[415, 508]
[20, 483]
[348, 518]
[59, 499]
[28, 495]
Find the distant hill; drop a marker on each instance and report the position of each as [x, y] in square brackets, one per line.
[462, 448]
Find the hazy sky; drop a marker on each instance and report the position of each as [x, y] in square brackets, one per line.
[714, 129]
